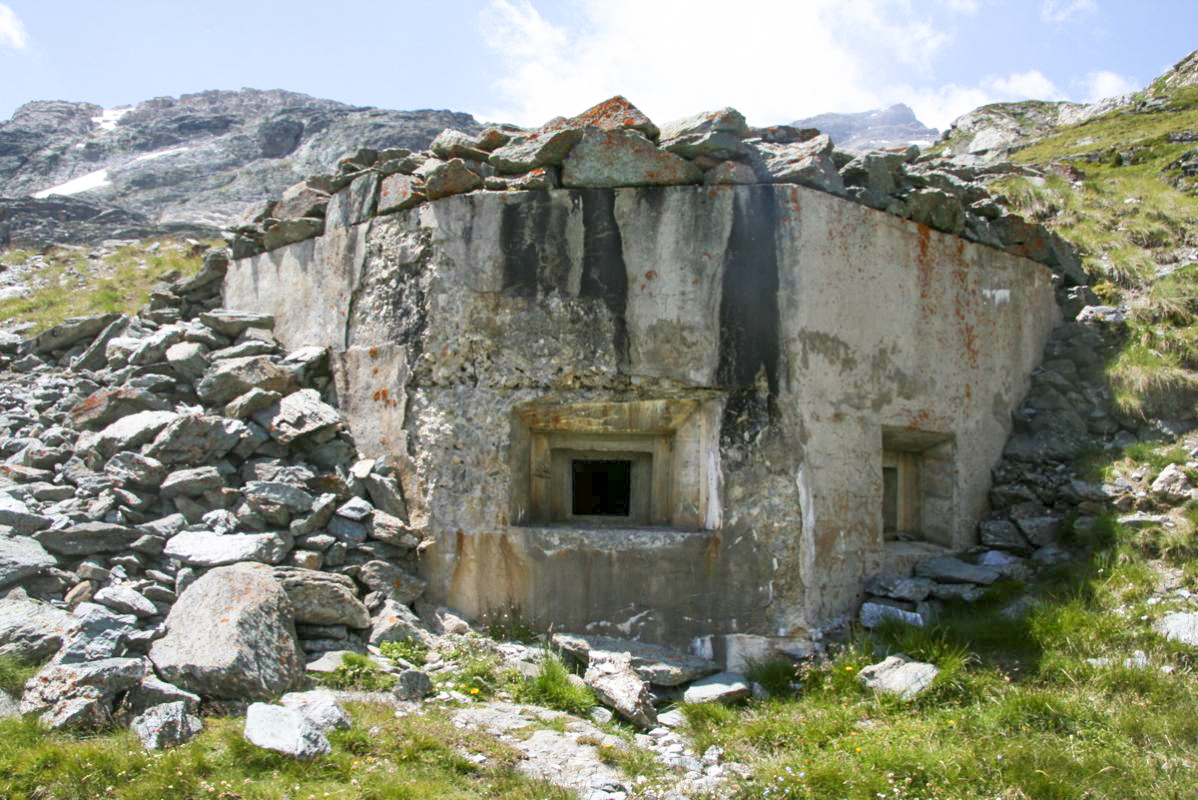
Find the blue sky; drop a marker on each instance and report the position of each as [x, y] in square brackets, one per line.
[525, 61]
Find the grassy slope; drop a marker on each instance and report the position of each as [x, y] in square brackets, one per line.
[73, 284]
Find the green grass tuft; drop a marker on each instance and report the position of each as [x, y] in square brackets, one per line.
[553, 688]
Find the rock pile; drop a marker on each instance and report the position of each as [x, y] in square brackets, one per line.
[184, 514]
[614, 145]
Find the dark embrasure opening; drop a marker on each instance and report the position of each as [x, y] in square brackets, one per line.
[601, 488]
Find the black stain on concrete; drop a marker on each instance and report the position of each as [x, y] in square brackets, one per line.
[604, 276]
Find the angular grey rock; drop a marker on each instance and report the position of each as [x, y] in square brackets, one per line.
[15, 514]
[88, 538]
[252, 401]
[153, 691]
[152, 349]
[329, 661]
[899, 588]
[21, 557]
[133, 469]
[301, 200]
[450, 178]
[947, 569]
[70, 331]
[399, 192]
[321, 708]
[354, 204]
[284, 730]
[391, 580]
[873, 615]
[191, 482]
[322, 598]
[616, 684]
[1002, 534]
[231, 635]
[165, 725]
[385, 528]
[289, 231]
[231, 323]
[726, 120]
[203, 548]
[188, 359]
[412, 684]
[100, 633]
[79, 695]
[536, 149]
[1040, 531]
[355, 508]
[93, 358]
[658, 665]
[195, 439]
[231, 377]
[897, 675]
[125, 600]
[298, 414]
[395, 622]
[725, 687]
[33, 631]
[1172, 483]
[807, 163]
[607, 159]
[451, 143]
[1180, 626]
[128, 432]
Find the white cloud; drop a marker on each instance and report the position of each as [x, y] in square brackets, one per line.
[1104, 83]
[774, 62]
[12, 32]
[961, 6]
[1062, 10]
[938, 107]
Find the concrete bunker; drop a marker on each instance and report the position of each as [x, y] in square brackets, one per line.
[685, 414]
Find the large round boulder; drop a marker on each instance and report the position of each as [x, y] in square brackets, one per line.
[231, 635]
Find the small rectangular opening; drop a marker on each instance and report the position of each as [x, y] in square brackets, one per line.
[601, 488]
[890, 499]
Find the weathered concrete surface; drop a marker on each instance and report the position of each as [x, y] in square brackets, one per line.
[814, 327]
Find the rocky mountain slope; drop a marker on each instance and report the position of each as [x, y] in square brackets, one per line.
[880, 128]
[75, 171]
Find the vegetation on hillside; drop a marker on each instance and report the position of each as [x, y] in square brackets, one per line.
[78, 281]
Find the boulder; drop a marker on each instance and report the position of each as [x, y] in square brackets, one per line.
[391, 580]
[395, 622]
[188, 360]
[128, 432]
[204, 548]
[195, 439]
[658, 665]
[165, 725]
[400, 191]
[543, 148]
[232, 324]
[616, 684]
[297, 415]
[725, 120]
[354, 204]
[33, 631]
[70, 331]
[153, 691]
[605, 159]
[99, 633]
[191, 482]
[322, 598]
[874, 615]
[1180, 626]
[104, 406]
[449, 178]
[451, 143]
[947, 569]
[806, 163]
[133, 469]
[79, 694]
[94, 356]
[88, 538]
[724, 687]
[284, 730]
[899, 587]
[1172, 483]
[613, 114]
[124, 599]
[231, 635]
[301, 200]
[321, 708]
[897, 675]
[230, 377]
[412, 684]
[21, 557]
[16, 515]
[1002, 534]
